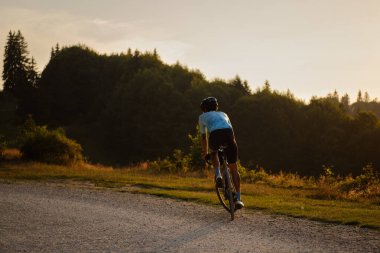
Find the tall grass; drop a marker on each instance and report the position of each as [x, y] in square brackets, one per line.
[365, 187]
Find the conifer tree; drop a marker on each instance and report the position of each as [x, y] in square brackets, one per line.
[359, 98]
[32, 75]
[54, 51]
[345, 102]
[366, 97]
[241, 85]
[267, 87]
[19, 72]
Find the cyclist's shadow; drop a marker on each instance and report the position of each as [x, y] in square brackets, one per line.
[193, 235]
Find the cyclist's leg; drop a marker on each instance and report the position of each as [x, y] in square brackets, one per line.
[215, 159]
[232, 154]
[216, 163]
[214, 146]
[236, 180]
[235, 176]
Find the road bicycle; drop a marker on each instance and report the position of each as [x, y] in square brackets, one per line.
[227, 193]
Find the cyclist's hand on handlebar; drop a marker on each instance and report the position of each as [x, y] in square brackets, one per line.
[207, 158]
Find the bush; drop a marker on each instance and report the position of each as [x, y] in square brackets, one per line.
[366, 185]
[196, 162]
[253, 176]
[43, 145]
[178, 162]
[2, 147]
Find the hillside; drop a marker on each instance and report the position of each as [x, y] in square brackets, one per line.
[127, 108]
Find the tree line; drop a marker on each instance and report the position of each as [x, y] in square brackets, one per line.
[131, 107]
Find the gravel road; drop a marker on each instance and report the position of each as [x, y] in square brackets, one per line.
[37, 217]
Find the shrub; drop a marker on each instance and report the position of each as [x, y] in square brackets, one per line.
[195, 162]
[43, 145]
[285, 179]
[366, 185]
[253, 176]
[327, 177]
[2, 146]
[178, 162]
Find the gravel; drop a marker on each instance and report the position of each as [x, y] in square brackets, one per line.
[42, 217]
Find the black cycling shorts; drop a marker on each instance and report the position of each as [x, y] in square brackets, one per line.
[226, 138]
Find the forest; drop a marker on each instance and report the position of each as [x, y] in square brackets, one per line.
[131, 107]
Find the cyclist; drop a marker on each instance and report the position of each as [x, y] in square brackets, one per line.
[220, 130]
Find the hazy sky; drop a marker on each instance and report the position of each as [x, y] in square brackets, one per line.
[309, 47]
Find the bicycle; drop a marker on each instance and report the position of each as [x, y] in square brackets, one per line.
[227, 193]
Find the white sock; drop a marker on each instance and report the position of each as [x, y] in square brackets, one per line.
[217, 172]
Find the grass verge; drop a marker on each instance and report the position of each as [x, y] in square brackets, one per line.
[295, 202]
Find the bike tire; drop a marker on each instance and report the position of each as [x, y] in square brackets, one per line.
[225, 195]
[220, 192]
[230, 196]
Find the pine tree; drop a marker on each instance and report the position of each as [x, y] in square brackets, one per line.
[155, 55]
[16, 64]
[267, 87]
[366, 97]
[32, 75]
[54, 51]
[241, 85]
[359, 98]
[345, 102]
[333, 97]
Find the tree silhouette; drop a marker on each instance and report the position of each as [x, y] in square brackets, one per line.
[128, 107]
[19, 71]
[54, 51]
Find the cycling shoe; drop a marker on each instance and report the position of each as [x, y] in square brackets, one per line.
[239, 204]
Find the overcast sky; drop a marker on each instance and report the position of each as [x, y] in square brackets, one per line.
[309, 47]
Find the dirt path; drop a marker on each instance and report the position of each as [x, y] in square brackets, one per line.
[51, 218]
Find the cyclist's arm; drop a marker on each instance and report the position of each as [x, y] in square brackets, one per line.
[204, 142]
[204, 145]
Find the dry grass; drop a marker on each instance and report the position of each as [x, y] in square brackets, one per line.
[280, 194]
[363, 188]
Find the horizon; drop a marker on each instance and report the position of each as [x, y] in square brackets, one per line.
[311, 49]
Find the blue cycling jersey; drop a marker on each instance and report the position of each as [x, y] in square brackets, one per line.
[213, 120]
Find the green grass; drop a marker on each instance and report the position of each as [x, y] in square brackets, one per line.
[291, 201]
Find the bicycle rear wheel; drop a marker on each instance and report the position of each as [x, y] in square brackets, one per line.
[230, 195]
[225, 194]
[222, 196]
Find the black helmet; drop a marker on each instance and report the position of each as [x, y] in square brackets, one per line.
[209, 104]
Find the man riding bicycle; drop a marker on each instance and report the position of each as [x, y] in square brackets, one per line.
[220, 130]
